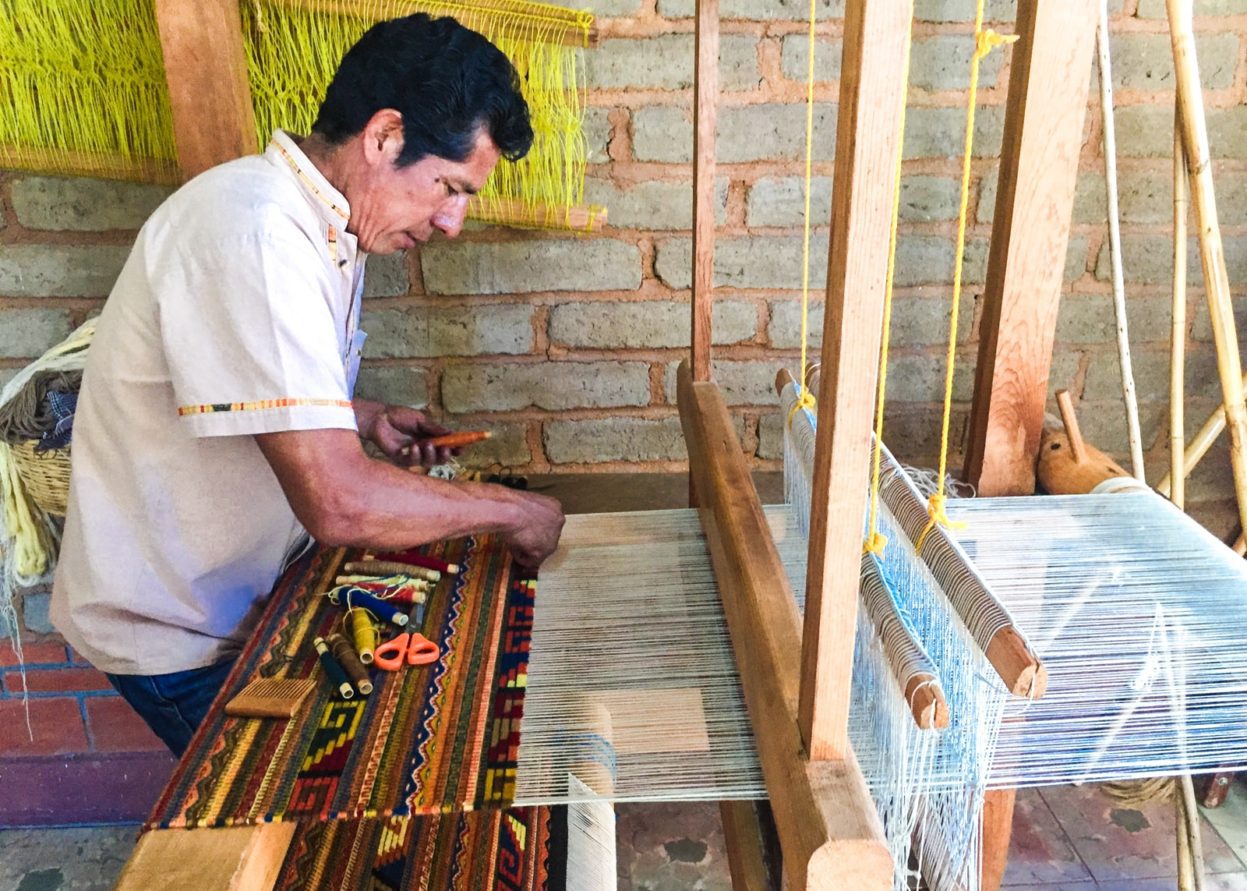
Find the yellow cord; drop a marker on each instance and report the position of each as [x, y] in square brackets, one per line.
[984, 43]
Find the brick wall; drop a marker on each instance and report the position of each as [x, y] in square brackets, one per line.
[566, 346]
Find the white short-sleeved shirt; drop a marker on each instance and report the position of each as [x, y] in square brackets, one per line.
[236, 313]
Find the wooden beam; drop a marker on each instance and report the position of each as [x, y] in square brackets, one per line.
[206, 69]
[872, 98]
[237, 858]
[828, 828]
[1044, 114]
[1043, 131]
[705, 115]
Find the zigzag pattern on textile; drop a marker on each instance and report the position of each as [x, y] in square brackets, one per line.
[428, 739]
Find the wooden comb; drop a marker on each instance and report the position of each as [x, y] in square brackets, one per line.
[270, 698]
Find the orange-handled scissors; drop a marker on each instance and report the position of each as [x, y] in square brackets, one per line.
[410, 647]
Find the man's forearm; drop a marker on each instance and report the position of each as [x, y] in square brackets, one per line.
[343, 497]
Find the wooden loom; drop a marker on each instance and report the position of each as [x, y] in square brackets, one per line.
[796, 679]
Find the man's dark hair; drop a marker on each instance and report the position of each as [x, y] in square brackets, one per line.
[446, 81]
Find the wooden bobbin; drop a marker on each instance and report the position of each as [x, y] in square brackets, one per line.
[594, 746]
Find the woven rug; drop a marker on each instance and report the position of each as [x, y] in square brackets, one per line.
[522, 849]
[428, 740]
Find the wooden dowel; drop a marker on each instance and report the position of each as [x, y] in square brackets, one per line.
[554, 28]
[147, 170]
[1017, 665]
[1212, 253]
[1066, 405]
[1177, 343]
[511, 212]
[926, 702]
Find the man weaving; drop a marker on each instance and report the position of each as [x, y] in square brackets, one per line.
[216, 421]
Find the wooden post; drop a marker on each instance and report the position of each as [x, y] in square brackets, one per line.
[1043, 131]
[872, 97]
[1044, 116]
[206, 68]
[705, 106]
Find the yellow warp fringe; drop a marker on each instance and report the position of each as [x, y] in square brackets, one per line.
[85, 89]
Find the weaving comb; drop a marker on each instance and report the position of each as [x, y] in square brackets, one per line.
[270, 698]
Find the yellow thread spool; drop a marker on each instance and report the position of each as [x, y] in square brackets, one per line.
[364, 634]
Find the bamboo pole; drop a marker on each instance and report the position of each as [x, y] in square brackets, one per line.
[1177, 349]
[1114, 242]
[1212, 254]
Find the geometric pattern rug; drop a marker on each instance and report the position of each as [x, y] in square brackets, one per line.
[522, 849]
[428, 740]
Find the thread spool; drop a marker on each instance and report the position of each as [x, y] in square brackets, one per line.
[392, 567]
[415, 558]
[350, 662]
[337, 675]
[382, 582]
[356, 598]
[364, 633]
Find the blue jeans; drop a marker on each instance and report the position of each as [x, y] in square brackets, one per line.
[173, 705]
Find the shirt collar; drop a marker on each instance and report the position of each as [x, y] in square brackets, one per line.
[283, 151]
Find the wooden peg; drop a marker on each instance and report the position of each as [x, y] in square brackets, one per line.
[1070, 420]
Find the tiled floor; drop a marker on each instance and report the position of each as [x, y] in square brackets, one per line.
[1065, 838]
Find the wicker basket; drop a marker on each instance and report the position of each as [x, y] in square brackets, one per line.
[44, 474]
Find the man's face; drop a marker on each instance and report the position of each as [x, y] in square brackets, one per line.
[396, 208]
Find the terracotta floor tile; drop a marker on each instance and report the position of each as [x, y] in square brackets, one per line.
[1039, 852]
[1127, 844]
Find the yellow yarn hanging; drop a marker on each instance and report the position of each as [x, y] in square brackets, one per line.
[984, 43]
[85, 89]
[293, 48]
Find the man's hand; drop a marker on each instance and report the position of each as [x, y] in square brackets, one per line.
[537, 534]
[399, 433]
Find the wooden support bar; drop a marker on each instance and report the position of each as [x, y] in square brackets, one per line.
[872, 99]
[237, 858]
[1043, 131]
[827, 824]
[705, 115]
[206, 68]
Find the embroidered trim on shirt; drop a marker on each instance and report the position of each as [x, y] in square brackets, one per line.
[307, 180]
[260, 405]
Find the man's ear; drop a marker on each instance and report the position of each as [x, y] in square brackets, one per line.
[383, 137]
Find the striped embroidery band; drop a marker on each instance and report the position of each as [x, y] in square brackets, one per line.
[260, 405]
[307, 181]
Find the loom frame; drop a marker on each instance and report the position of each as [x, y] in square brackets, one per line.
[1044, 114]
